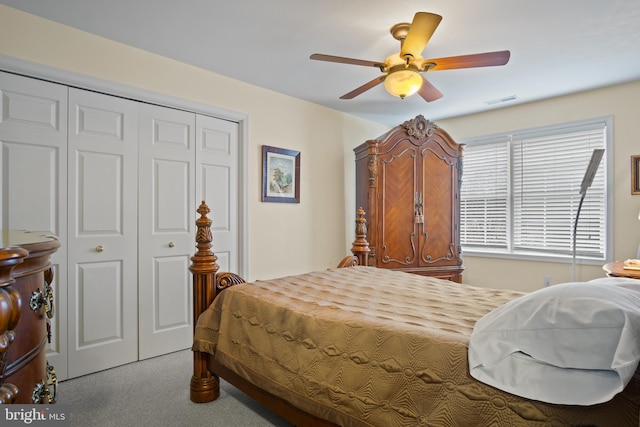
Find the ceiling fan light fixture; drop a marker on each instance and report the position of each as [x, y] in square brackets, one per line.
[403, 82]
[401, 71]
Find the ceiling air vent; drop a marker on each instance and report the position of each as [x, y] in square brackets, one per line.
[501, 100]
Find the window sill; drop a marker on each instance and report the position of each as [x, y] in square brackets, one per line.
[524, 256]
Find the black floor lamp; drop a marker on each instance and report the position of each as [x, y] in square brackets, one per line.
[589, 174]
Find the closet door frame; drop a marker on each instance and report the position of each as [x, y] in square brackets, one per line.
[30, 69]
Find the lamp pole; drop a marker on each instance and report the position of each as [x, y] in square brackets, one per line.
[589, 174]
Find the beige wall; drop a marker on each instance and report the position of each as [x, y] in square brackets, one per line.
[620, 101]
[287, 238]
[282, 238]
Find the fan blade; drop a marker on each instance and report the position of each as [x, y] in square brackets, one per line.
[487, 59]
[373, 83]
[428, 91]
[342, 60]
[422, 28]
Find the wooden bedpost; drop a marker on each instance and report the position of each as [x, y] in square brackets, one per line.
[360, 246]
[205, 386]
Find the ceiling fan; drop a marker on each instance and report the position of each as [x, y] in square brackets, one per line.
[402, 71]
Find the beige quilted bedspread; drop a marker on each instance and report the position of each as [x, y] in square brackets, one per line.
[361, 346]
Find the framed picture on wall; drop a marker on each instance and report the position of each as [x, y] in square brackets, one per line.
[635, 174]
[280, 175]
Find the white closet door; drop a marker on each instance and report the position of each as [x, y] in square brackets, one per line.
[217, 157]
[33, 137]
[167, 222]
[103, 280]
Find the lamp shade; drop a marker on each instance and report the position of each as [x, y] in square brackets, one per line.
[403, 82]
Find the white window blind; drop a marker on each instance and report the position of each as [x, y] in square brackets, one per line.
[520, 193]
[484, 201]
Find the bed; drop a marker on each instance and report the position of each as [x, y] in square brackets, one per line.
[361, 346]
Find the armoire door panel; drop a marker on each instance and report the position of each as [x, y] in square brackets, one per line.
[103, 224]
[439, 178]
[217, 151]
[167, 206]
[398, 239]
[33, 182]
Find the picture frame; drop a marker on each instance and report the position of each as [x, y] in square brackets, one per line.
[635, 174]
[280, 175]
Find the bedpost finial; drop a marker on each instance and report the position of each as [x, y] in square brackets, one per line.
[361, 223]
[203, 234]
[360, 247]
[203, 209]
[204, 259]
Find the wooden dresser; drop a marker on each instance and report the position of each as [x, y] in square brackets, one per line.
[408, 182]
[26, 307]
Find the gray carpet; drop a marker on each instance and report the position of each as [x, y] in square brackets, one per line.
[156, 392]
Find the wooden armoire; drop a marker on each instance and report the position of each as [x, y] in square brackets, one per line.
[408, 182]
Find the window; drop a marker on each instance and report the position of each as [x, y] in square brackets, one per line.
[521, 192]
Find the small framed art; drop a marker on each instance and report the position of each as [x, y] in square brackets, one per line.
[635, 174]
[280, 175]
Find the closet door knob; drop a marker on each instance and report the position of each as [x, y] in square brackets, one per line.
[99, 248]
[171, 244]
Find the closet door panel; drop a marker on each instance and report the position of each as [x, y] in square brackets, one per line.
[99, 288]
[217, 154]
[103, 284]
[167, 229]
[24, 165]
[33, 182]
[99, 209]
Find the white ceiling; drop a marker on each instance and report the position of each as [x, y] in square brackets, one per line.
[557, 46]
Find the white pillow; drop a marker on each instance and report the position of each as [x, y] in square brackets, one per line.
[573, 343]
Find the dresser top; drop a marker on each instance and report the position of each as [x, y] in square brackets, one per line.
[12, 237]
[24, 252]
[32, 241]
